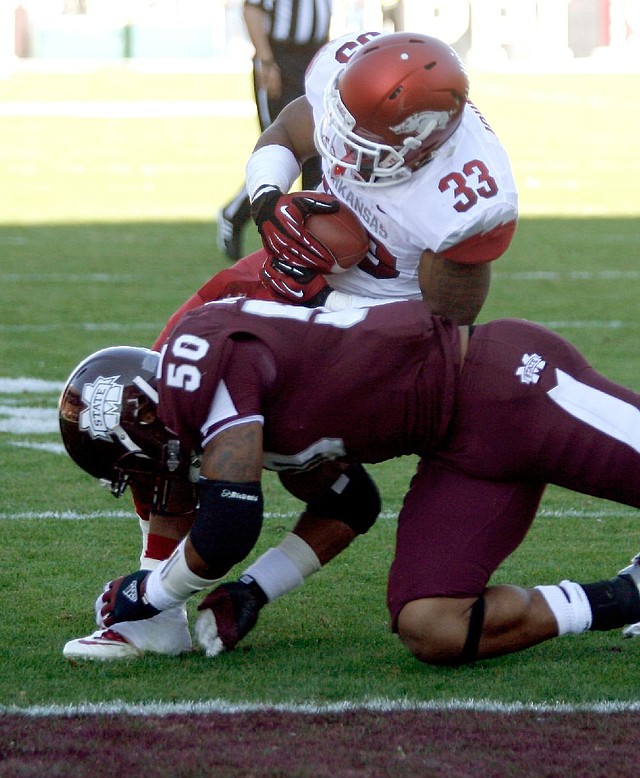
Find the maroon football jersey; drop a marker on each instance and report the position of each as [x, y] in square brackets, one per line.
[363, 385]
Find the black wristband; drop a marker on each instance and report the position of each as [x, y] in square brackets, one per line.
[263, 206]
[318, 300]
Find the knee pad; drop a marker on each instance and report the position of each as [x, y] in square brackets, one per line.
[353, 499]
[228, 523]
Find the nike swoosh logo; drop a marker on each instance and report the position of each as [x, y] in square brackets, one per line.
[295, 293]
[294, 226]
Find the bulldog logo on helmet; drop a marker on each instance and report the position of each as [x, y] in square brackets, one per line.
[103, 400]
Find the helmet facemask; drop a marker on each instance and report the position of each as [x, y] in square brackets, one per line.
[352, 156]
[396, 102]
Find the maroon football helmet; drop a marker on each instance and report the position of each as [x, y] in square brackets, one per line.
[398, 99]
[109, 425]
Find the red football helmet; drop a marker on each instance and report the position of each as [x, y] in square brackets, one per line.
[109, 425]
[396, 101]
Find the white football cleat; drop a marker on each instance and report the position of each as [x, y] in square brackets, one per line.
[632, 630]
[165, 633]
[102, 645]
[633, 570]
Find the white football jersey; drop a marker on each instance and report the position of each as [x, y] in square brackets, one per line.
[462, 204]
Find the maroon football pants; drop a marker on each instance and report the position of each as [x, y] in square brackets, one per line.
[529, 411]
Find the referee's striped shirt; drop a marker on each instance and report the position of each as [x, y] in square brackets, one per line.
[298, 22]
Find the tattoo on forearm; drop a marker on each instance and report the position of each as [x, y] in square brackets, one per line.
[236, 454]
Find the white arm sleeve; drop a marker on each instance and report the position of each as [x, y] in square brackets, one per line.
[271, 166]
[339, 301]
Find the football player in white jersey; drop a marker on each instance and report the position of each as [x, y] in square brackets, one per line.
[404, 148]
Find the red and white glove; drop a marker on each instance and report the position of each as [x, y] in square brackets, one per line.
[294, 285]
[280, 220]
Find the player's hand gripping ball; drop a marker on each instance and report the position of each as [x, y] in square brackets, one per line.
[344, 243]
[342, 234]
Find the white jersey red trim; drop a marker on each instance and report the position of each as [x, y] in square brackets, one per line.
[462, 204]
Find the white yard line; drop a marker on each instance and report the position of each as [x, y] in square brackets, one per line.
[528, 275]
[582, 324]
[552, 513]
[208, 707]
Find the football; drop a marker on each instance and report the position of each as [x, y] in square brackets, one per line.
[342, 233]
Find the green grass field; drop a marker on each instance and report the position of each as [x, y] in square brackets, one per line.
[107, 223]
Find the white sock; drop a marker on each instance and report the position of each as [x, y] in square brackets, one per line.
[147, 563]
[282, 569]
[144, 529]
[570, 606]
[172, 582]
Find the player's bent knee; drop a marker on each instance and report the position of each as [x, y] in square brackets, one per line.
[435, 630]
[353, 499]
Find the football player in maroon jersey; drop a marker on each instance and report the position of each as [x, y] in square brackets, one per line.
[495, 413]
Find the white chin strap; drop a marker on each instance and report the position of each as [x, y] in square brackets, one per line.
[121, 436]
[146, 387]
